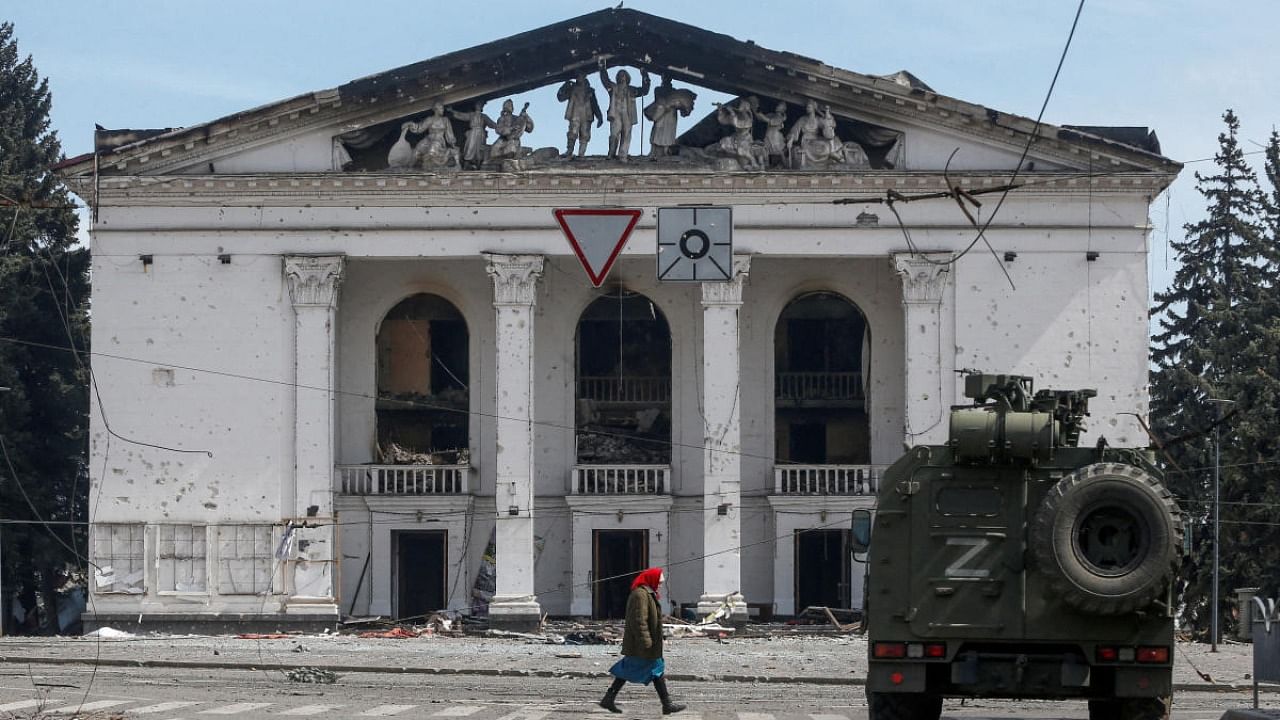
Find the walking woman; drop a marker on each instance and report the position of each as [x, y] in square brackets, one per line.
[642, 644]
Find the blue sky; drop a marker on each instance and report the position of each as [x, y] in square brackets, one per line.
[1173, 65]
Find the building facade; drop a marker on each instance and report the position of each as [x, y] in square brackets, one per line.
[374, 378]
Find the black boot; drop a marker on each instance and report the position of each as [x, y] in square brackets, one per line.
[607, 702]
[668, 707]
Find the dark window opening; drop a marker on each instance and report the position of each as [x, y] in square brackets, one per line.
[819, 384]
[623, 393]
[423, 393]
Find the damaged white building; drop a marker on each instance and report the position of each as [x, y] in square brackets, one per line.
[376, 380]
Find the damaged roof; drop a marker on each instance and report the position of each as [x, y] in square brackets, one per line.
[621, 36]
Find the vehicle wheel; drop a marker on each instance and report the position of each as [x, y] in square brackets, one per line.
[1108, 538]
[903, 706]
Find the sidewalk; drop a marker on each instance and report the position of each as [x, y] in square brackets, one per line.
[826, 659]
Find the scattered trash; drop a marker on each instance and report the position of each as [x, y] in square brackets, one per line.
[262, 636]
[311, 675]
[109, 633]
[711, 630]
[397, 633]
[588, 637]
[569, 655]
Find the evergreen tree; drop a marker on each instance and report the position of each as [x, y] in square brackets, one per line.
[43, 301]
[1217, 340]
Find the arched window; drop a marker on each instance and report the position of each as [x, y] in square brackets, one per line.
[820, 357]
[623, 382]
[423, 390]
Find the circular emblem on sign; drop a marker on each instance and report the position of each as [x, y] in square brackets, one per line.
[694, 244]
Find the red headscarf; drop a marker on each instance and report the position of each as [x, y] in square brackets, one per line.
[651, 577]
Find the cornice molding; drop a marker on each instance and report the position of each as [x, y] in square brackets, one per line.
[452, 189]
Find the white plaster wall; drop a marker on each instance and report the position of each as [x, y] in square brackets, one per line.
[1069, 323]
[310, 152]
[193, 355]
[931, 150]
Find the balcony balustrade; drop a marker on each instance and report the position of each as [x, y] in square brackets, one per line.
[827, 479]
[621, 479]
[624, 389]
[820, 387]
[404, 479]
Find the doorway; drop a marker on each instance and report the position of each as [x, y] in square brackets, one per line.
[822, 568]
[616, 556]
[420, 580]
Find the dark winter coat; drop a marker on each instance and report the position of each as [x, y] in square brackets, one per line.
[642, 636]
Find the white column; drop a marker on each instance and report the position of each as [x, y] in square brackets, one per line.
[722, 444]
[515, 280]
[308, 501]
[928, 327]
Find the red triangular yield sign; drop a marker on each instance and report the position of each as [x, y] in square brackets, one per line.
[597, 236]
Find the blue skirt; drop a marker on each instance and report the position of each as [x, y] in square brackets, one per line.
[638, 669]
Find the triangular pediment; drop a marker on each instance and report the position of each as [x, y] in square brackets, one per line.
[896, 122]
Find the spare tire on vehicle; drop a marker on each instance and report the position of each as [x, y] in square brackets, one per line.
[1108, 538]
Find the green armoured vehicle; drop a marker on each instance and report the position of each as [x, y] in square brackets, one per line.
[1012, 563]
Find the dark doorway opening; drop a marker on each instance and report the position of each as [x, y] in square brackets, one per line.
[822, 568]
[420, 578]
[617, 555]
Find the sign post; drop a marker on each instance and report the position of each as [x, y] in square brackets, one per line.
[1266, 644]
[597, 236]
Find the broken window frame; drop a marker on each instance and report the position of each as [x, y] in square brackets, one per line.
[441, 407]
[254, 545]
[122, 549]
[790, 411]
[591, 415]
[169, 558]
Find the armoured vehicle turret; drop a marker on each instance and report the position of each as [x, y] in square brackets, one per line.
[1012, 563]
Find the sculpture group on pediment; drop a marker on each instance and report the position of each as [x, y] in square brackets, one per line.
[741, 135]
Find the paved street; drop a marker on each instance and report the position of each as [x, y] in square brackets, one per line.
[172, 693]
[780, 677]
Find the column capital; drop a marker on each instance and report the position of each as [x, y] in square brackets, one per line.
[313, 280]
[730, 291]
[515, 278]
[924, 275]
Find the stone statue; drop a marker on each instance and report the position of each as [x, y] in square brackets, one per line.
[740, 145]
[622, 109]
[476, 149]
[667, 106]
[401, 155]
[510, 128]
[439, 147]
[803, 134]
[581, 109]
[775, 143]
[828, 124]
[815, 141]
